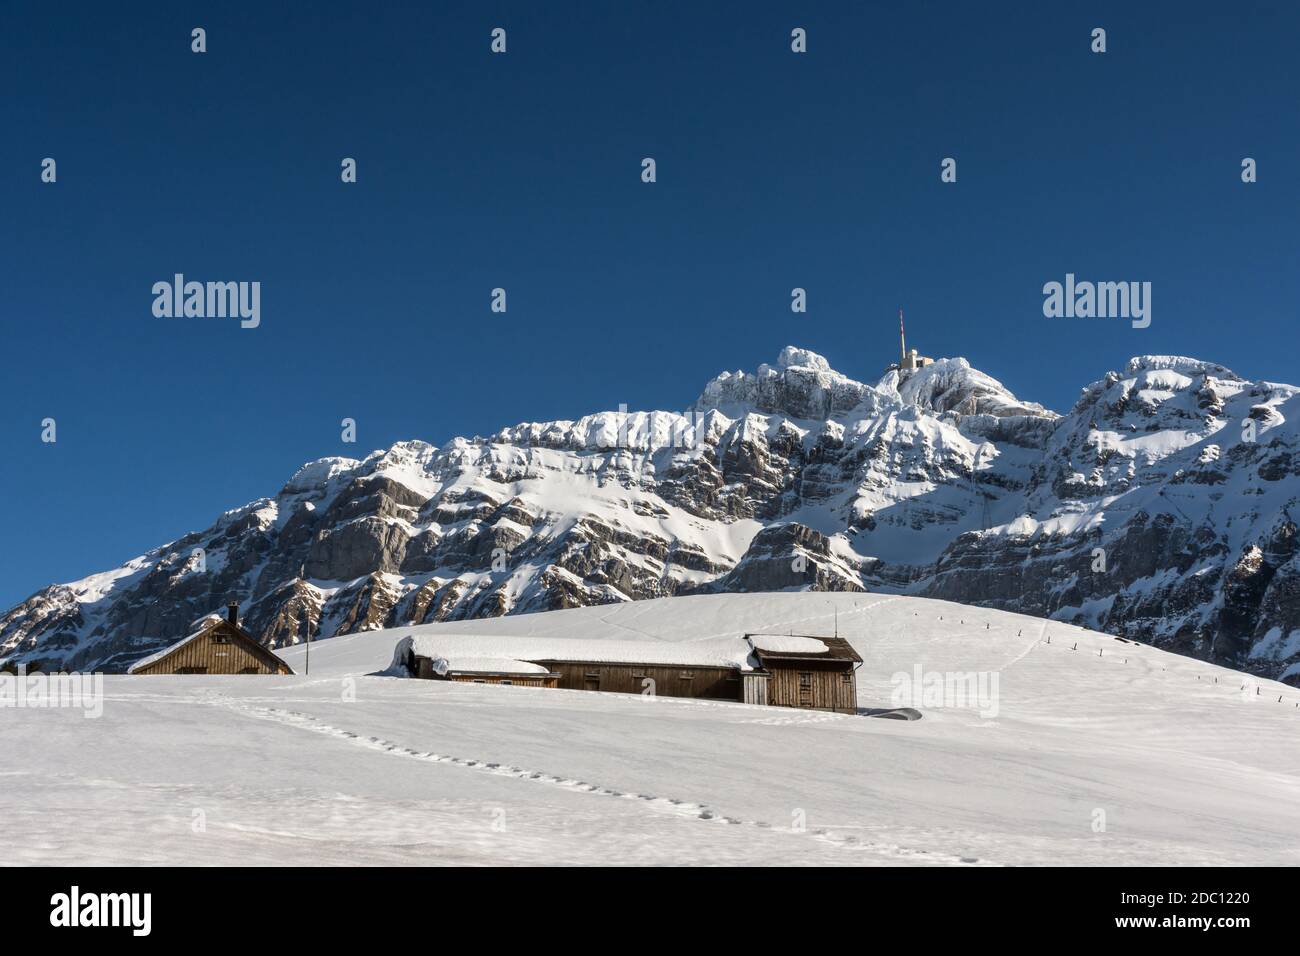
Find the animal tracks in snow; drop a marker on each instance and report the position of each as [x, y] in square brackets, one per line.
[683, 808]
[310, 723]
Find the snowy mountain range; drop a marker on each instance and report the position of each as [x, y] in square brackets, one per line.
[1161, 508]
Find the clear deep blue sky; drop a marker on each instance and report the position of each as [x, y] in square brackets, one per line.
[775, 170]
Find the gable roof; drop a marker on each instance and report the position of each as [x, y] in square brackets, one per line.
[779, 649]
[205, 625]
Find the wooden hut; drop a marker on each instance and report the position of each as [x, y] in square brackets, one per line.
[217, 646]
[790, 676]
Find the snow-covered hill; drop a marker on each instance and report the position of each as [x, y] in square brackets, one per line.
[1161, 507]
[1101, 753]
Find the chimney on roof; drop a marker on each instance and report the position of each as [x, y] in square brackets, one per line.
[232, 614]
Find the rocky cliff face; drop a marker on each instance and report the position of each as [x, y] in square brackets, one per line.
[1161, 508]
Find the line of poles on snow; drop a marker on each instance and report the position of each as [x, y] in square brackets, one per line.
[1047, 639]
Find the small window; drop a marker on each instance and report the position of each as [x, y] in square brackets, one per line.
[479, 680]
[220, 638]
[805, 679]
[688, 675]
[507, 682]
[846, 677]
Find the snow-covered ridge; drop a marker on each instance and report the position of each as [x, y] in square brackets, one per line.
[803, 385]
[1178, 363]
[317, 474]
[951, 385]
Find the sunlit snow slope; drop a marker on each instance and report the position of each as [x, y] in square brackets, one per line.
[1178, 767]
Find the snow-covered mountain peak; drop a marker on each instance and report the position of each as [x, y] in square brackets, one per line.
[954, 385]
[1171, 391]
[1177, 363]
[794, 357]
[316, 475]
[803, 385]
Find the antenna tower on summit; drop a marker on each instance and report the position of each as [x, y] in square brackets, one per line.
[902, 341]
[907, 361]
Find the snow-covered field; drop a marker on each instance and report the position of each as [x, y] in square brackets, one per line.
[1127, 756]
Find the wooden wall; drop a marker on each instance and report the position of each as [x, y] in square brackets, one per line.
[813, 685]
[209, 654]
[519, 680]
[712, 683]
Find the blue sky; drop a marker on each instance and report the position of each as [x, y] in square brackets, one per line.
[775, 170]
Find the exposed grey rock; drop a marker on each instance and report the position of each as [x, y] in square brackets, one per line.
[1183, 476]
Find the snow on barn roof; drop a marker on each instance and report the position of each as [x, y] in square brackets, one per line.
[771, 648]
[786, 644]
[456, 649]
[485, 665]
[197, 628]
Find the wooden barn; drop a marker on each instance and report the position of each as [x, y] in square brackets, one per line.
[816, 673]
[218, 646]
